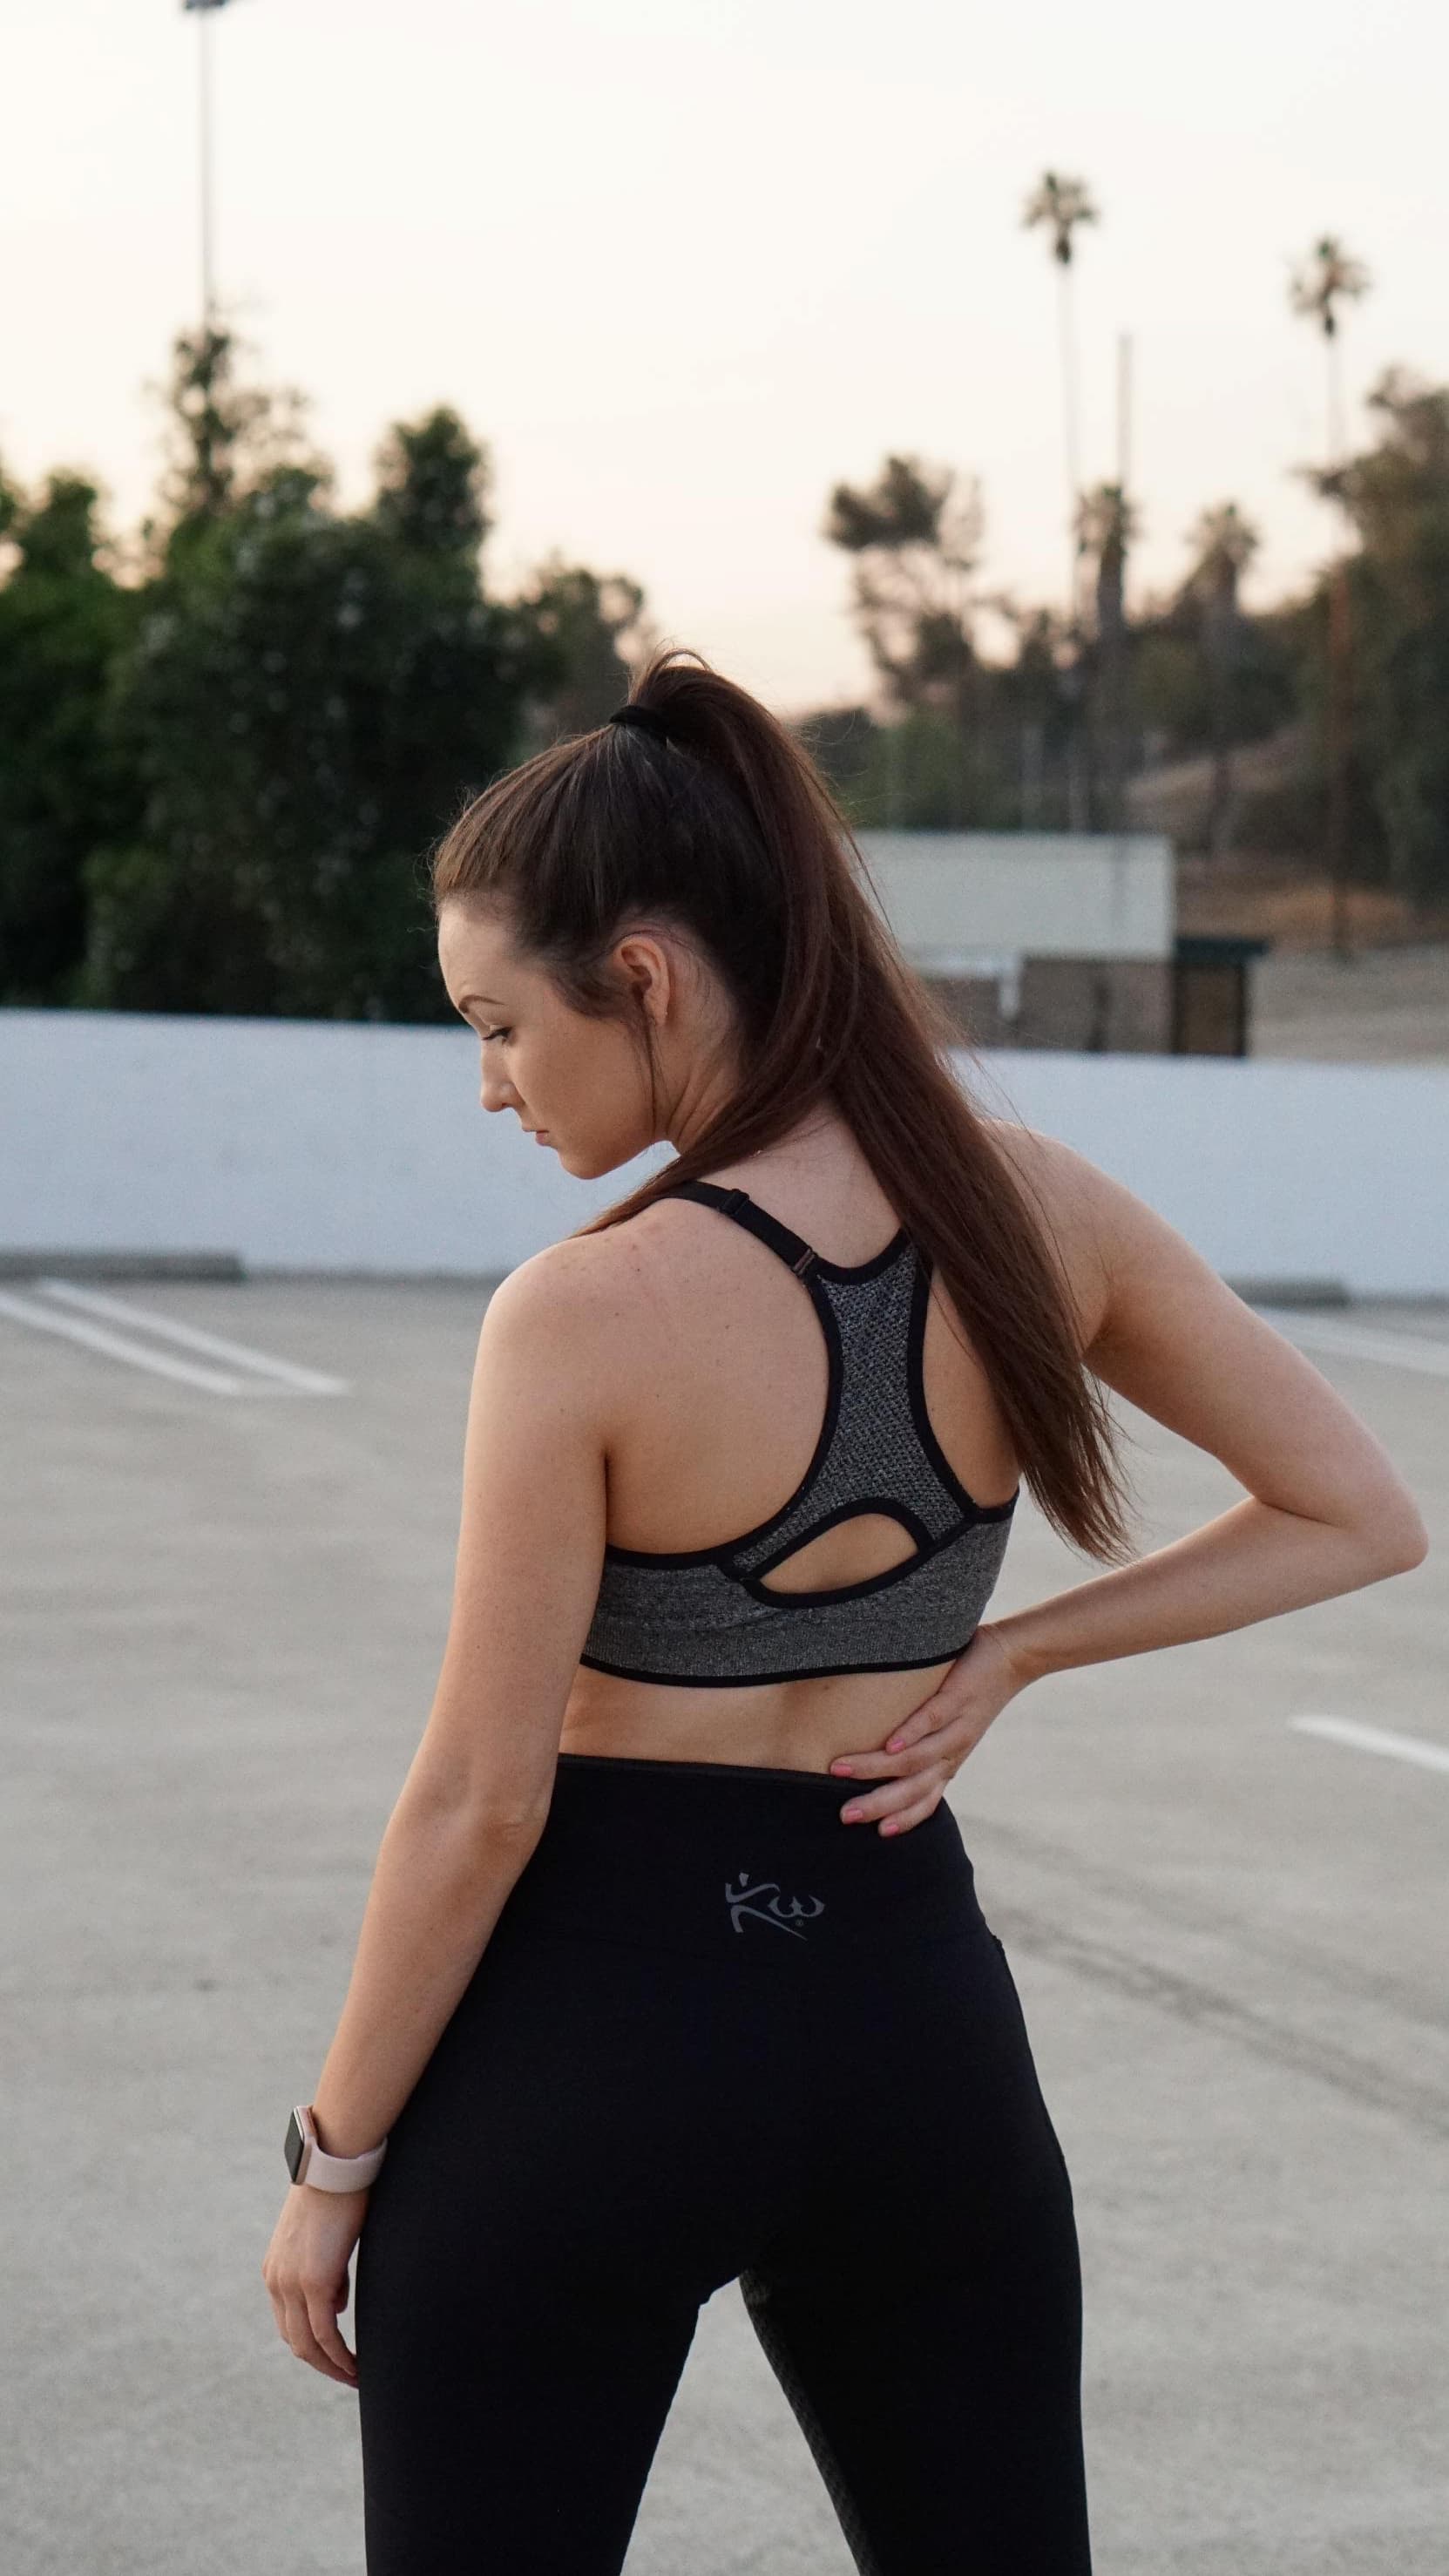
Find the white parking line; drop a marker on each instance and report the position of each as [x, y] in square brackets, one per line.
[44, 1319]
[141, 1318]
[1313, 1332]
[1376, 1739]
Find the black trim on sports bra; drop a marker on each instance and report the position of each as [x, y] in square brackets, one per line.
[925, 1429]
[794, 1251]
[707, 1616]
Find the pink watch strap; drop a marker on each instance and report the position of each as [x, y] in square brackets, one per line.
[332, 2173]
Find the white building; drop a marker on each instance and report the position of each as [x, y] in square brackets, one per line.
[1060, 939]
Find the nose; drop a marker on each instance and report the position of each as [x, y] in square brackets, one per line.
[495, 1091]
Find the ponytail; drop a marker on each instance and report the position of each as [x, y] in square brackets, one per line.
[726, 827]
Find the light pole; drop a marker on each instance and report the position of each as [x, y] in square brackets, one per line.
[204, 9]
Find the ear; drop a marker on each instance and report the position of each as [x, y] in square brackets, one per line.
[647, 969]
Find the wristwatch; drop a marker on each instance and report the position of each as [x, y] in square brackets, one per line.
[307, 2163]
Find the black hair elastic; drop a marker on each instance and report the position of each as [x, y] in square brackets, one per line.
[645, 718]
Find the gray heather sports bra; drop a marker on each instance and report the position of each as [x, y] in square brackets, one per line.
[706, 1614]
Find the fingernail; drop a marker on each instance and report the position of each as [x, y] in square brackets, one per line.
[850, 1815]
[895, 1743]
[890, 1826]
[842, 1770]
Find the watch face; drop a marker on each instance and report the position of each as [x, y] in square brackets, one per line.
[296, 2141]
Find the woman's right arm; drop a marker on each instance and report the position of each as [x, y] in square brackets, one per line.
[1325, 1509]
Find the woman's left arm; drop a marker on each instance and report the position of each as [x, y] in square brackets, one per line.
[473, 1804]
[1325, 1509]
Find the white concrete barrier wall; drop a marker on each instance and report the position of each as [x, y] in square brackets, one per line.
[302, 1145]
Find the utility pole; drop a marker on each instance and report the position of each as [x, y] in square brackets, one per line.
[204, 10]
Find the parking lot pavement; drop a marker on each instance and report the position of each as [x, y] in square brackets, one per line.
[221, 1623]
[1376, 1006]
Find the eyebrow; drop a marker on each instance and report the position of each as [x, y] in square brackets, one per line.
[464, 999]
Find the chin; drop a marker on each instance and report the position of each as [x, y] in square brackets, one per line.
[591, 1163]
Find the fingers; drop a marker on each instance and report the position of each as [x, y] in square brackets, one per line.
[873, 1765]
[926, 1720]
[305, 2269]
[915, 1734]
[905, 1819]
[975, 1690]
[304, 2313]
[322, 2307]
[901, 1803]
[911, 1782]
[307, 2323]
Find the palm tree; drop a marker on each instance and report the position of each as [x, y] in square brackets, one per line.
[1223, 544]
[1329, 278]
[1063, 205]
[1106, 525]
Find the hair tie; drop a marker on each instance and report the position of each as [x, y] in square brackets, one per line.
[645, 718]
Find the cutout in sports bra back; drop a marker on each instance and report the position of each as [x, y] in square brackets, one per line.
[709, 1615]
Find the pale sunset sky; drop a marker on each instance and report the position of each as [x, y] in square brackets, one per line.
[683, 264]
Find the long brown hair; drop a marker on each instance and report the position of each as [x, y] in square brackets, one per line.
[727, 829]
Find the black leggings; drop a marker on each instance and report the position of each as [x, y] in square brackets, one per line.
[719, 2035]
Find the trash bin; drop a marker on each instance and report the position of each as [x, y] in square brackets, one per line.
[1210, 993]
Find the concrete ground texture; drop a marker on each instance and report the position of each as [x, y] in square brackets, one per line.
[222, 1619]
[1376, 1006]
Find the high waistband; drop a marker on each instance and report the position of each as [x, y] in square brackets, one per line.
[734, 1861]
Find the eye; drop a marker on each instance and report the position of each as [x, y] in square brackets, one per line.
[488, 1035]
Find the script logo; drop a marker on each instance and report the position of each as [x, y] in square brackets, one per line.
[763, 1903]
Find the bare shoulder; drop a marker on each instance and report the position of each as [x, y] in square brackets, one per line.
[1132, 1272]
[1075, 1202]
[584, 1305]
[1062, 1181]
[1175, 1339]
[558, 1294]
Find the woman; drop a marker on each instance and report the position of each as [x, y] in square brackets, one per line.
[672, 1971]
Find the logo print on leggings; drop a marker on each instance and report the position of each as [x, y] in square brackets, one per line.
[763, 1903]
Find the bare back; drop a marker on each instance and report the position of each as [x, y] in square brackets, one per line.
[719, 1385]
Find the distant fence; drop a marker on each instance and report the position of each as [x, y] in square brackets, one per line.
[320, 1146]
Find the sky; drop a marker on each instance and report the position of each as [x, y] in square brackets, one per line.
[683, 265]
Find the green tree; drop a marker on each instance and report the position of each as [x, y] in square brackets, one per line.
[1208, 675]
[65, 780]
[1224, 544]
[307, 697]
[587, 630]
[225, 438]
[1396, 494]
[220, 777]
[1106, 526]
[432, 490]
[915, 534]
[843, 742]
[1033, 692]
